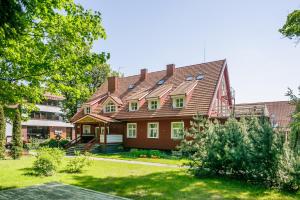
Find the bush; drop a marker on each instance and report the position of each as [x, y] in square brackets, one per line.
[78, 163]
[33, 144]
[53, 143]
[248, 149]
[136, 153]
[47, 161]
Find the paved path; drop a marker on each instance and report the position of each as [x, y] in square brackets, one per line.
[55, 191]
[137, 162]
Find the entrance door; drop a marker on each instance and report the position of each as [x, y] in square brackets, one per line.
[102, 129]
[97, 133]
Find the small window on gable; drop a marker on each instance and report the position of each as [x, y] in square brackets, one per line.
[87, 110]
[189, 78]
[160, 82]
[133, 106]
[131, 86]
[153, 104]
[110, 107]
[200, 77]
[178, 102]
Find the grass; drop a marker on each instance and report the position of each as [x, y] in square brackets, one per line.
[139, 182]
[125, 156]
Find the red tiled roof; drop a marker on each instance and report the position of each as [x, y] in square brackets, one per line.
[280, 111]
[138, 95]
[50, 96]
[160, 91]
[200, 97]
[184, 88]
[97, 117]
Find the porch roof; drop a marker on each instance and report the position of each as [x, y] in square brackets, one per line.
[94, 118]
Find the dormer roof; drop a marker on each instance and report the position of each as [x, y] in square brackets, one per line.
[159, 91]
[184, 88]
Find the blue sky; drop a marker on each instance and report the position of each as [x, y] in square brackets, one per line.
[153, 33]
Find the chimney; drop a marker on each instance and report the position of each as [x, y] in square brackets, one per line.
[170, 69]
[112, 84]
[144, 73]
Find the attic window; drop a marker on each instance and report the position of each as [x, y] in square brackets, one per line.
[131, 86]
[200, 77]
[160, 82]
[189, 78]
[87, 110]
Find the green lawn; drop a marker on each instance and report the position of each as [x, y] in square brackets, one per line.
[138, 182]
[124, 156]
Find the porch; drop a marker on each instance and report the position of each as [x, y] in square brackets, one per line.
[96, 129]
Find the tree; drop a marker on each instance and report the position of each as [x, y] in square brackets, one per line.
[17, 141]
[51, 45]
[294, 137]
[291, 28]
[2, 133]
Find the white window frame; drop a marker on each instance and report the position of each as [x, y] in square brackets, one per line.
[174, 99]
[130, 106]
[108, 107]
[149, 130]
[150, 104]
[172, 130]
[87, 110]
[131, 136]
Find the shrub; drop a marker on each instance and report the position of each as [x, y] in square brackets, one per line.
[47, 161]
[78, 163]
[2, 133]
[248, 149]
[17, 143]
[53, 143]
[33, 144]
[136, 153]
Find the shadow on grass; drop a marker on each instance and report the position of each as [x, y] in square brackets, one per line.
[7, 188]
[28, 171]
[175, 185]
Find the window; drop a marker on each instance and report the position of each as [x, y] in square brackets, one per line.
[153, 105]
[200, 77]
[189, 78]
[177, 129]
[153, 130]
[87, 110]
[131, 130]
[110, 107]
[160, 82]
[133, 106]
[86, 129]
[178, 102]
[131, 86]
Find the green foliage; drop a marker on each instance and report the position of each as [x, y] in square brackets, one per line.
[136, 153]
[33, 144]
[291, 28]
[248, 149]
[47, 161]
[78, 163]
[2, 133]
[17, 141]
[294, 135]
[50, 50]
[53, 143]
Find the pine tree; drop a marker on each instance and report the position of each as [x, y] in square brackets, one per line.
[17, 142]
[2, 133]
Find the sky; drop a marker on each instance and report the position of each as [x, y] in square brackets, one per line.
[153, 33]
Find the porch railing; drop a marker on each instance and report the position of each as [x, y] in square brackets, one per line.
[73, 142]
[90, 144]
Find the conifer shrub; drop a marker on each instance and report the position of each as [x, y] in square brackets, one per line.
[2, 133]
[248, 149]
[17, 142]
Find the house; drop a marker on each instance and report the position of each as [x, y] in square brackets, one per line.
[45, 123]
[278, 112]
[151, 109]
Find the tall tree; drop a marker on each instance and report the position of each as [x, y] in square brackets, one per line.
[51, 45]
[2, 133]
[294, 137]
[291, 28]
[17, 141]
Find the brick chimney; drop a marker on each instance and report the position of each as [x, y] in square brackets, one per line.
[170, 69]
[144, 73]
[112, 84]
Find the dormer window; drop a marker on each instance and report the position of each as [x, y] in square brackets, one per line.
[133, 106]
[178, 102]
[87, 110]
[110, 107]
[153, 104]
